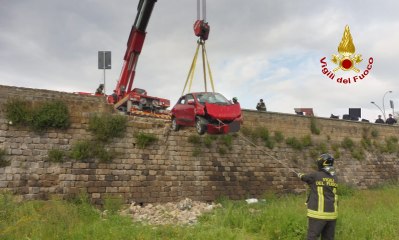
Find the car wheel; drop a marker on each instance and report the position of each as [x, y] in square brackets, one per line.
[201, 128]
[175, 126]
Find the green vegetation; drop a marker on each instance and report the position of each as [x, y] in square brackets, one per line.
[262, 133]
[56, 155]
[363, 214]
[107, 126]
[313, 126]
[297, 144]
[347, 143]
[375, 133]
[3, 161]
[113, 204]
[145, 139]
[278, 136]
[52, 114]
[194, 139]
[86, 150]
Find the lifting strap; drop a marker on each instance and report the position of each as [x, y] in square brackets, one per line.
[205, 66]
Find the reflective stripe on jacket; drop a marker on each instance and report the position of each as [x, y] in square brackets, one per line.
[323, 199]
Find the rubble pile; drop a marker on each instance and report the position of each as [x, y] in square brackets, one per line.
[184, 212]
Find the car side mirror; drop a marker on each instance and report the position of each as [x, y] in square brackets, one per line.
[190, 102]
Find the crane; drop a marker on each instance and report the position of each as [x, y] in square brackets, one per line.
[124, 97]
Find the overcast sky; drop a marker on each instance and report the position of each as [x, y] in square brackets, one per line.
[256, 49]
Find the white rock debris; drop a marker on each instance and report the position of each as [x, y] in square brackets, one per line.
[184, 212]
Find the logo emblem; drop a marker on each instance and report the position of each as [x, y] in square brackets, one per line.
[346, 59]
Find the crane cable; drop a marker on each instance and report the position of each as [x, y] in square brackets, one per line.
[206, 66]
[256, 146]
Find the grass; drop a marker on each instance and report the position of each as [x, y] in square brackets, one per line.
[363, 214]
[3, 161]
[45, 115]
[105, 127]
[145, 139]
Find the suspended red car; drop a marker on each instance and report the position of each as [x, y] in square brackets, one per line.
[208, 111]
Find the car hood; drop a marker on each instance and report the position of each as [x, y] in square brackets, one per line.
[223, 112]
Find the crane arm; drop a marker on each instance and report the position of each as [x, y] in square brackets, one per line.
[134, 46]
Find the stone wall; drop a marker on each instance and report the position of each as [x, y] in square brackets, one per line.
[177, 167]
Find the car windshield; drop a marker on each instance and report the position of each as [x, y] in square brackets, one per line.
[211, 97]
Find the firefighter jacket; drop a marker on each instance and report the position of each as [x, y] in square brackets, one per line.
[323, 199]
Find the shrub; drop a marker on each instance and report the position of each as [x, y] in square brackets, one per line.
[347, 143]
[227, 140]
[222, 150]
[46, 115]
[194, 139]
[313, 126]
[208, 141]
[374, 133]
[107, 126]
[270, 143]
[306, 141]
[357, 153]
[197, 152]
[366, 143]
[3, 161]
[391, 144]
[18, 112]
[322, 148]
[294, 143]
[85, 150]
[145, 139]
[262, 133]
[82, 150]
[278, 136]
[50, 115]
[56, 155]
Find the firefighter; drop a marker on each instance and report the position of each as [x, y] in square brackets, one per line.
[322, 200]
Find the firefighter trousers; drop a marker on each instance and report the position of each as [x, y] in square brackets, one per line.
[317, 227]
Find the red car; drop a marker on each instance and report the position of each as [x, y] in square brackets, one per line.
[208, 111]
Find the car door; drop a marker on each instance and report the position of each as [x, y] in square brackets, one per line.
[189, 110]
[184, 111]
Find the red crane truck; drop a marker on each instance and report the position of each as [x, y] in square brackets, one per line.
[124, 97]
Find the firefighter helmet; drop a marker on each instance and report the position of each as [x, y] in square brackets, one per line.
[325, 160]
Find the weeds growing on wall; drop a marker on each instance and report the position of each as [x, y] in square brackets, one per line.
[56, 155]
[375, 133]
[278, 136]
[194, 139]
[107, 126]
[262, 133]
[52, 114]
[3, 161]
[313, 126]
[86, 150]
[145, 139]
[299, 144]
[347, 143]
[208, 140]
[18, 112]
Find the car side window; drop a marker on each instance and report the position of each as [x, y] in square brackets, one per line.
[182, 100]
[189, 98]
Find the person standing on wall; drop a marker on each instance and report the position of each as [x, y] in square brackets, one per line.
[379, 120]
[322, 200]
[261, 106]
[390, 120]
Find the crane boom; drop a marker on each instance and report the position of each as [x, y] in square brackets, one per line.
[134, 46]
[136, 100]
